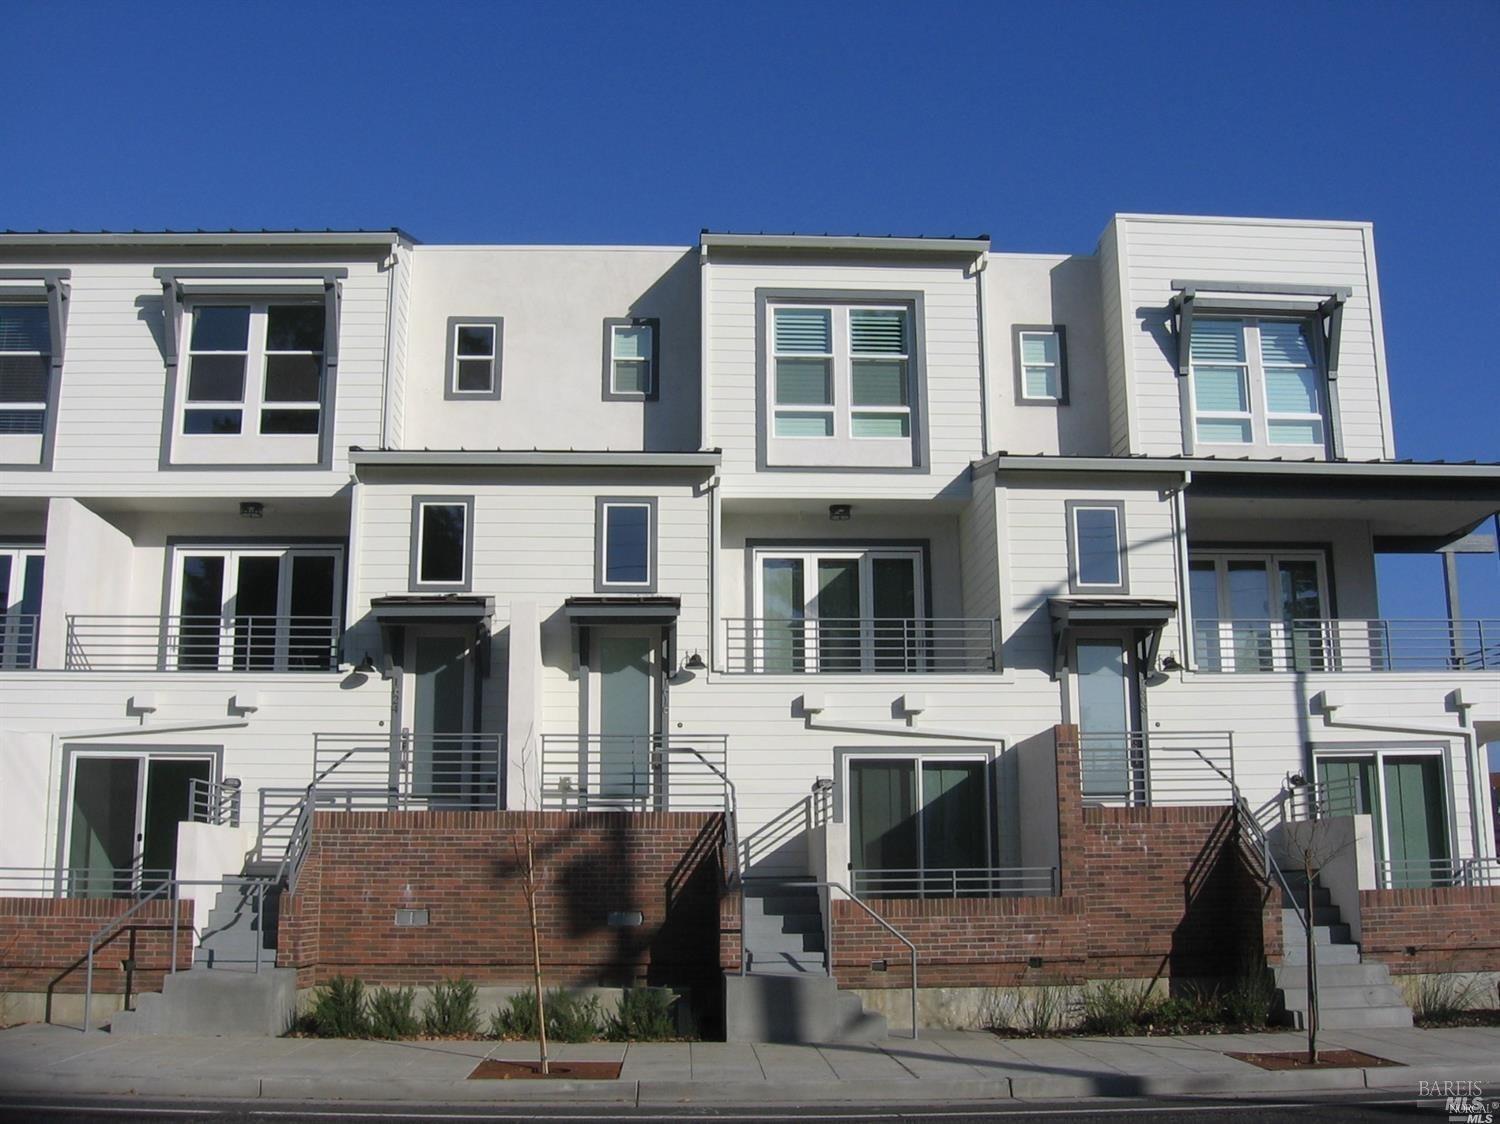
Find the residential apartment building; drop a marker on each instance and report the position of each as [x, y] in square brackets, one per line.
[888, 558]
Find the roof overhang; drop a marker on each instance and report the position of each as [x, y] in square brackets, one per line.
[433, 608]
[967, 247]
[206, 238]
[535, 458]
[1144, 615]
[646, 609]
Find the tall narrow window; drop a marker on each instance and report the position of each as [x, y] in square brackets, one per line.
[218, 352]
[20, 605]
[294, 369]
[630, 361]
[1096, 537]
[1294, 401]
[626, 548]
[25, 368]
[804, 372]
[442, 545]
[1221, 383]
[878, 378]
[1041, 366]
[474, 347]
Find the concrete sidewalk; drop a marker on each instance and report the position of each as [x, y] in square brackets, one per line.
[942, 1066]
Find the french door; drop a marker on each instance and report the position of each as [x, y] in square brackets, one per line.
[256, 610]
[839, 611]
[1260, 612]
[124, 812]
[919, 827]
[1405, 796]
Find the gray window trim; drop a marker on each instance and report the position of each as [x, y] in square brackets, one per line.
[414, 573]
[52, 286]
[1062, 364]
[921, 454]
[600, 585]
[173, 302]
[990, 752]
[451, 392]
[653, 391]
[1074, 585]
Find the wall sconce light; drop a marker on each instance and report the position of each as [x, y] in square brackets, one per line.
[1169, 663]
[252, 509]
[366, 666]
[840, 512]
[694, 662]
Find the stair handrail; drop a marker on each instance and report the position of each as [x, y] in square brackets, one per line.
[825, 884]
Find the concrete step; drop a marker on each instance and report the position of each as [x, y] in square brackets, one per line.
[779, 905]
[798, 944]
[1333, 975]
[215, 1004]
[1347, 997]
[852, 1023]
[1295, 953]
[1354, 1018]
[801, 923]
[1292, 931]
[787, 963]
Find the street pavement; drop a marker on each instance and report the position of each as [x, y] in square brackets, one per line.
[942, 1067]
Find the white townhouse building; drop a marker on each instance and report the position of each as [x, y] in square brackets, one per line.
[826, 536]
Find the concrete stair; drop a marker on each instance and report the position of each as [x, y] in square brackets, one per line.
[787, 994]
[236, 929]
[1352, 995]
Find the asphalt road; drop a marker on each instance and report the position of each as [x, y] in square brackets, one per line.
[1332, 1107]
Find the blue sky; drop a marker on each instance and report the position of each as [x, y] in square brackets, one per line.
[644, 122]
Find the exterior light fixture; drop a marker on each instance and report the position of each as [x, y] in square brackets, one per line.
[252, 509]
[366, 666]
[839, 512]
[1169, 663]
[694, 662]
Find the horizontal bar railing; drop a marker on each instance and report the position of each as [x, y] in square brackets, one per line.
[860, 646]
[18, 632]
[956, 882]
[232, 642]
[1157, 768]
[79, 882]
[663, 773]
[214, 802]
[1413, 874]
[1346, 645]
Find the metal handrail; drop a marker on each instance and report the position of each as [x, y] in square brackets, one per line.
[214, 802]
[1157, 767]
[168, 890]
[1346, 644]
[830, 886]
[576, 775]
[862, 645]
[201, 642]
[79, 882]
[954, 882]
[18, 636]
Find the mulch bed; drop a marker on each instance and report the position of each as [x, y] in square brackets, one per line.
[1327, 1059]
[492, 1069]
[1479, 1016]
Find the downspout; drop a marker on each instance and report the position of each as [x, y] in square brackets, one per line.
[1479, 836]
[1184, 586]
[715, 512]
[981, 264]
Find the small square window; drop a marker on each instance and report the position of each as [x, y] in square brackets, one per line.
[442, 542]
[1096, 537]
[630, 359]
[1040, 355]
[625, 530]
[474, 347]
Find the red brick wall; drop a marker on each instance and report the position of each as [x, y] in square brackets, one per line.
[41, 939]
[464, 867]
[1455, 929]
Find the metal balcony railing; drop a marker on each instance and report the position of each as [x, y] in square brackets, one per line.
[18, 632]
[861, 646]
[202, 643]
[214, 802]
[80, 882]
[1346, 645]
[1157, 768]
[956, 882]
[1413, 874]
[660, 773]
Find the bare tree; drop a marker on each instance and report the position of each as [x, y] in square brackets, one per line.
[1309, 846]
[531, 887]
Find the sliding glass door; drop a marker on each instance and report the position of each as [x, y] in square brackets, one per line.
[919, 827]
[1405, 795]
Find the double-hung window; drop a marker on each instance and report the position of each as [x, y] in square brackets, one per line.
[625, 545]
[631, 351]
[20, 605]
[254, 369]
[474, 349]
[271, 608]
[25, 368]
[1041, 366]
[841, 385]
[1257, 382]
[839, 610]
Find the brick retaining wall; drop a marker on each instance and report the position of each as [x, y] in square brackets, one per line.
[1452, 929]
[42, 940]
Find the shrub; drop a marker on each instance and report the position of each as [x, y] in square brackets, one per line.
[339, 1009]
[1249, 999]
[644, 1015]
[392, 1013]
[454, 1009]
[1441, 998]
[1040, 1011]
[570, 1018]
[1110, 1007]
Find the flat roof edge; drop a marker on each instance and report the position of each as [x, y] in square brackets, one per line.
[1204, 466]
[210, 238]
[968, 246]
[479, 458]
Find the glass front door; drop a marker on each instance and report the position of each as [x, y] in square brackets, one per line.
[625, 678]
[123, 826]
[441, 761]
[1112, 765]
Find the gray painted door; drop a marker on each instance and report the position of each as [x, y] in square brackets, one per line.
[1416, 830]
[625, 715]
[1105, 716]
[440, 715]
